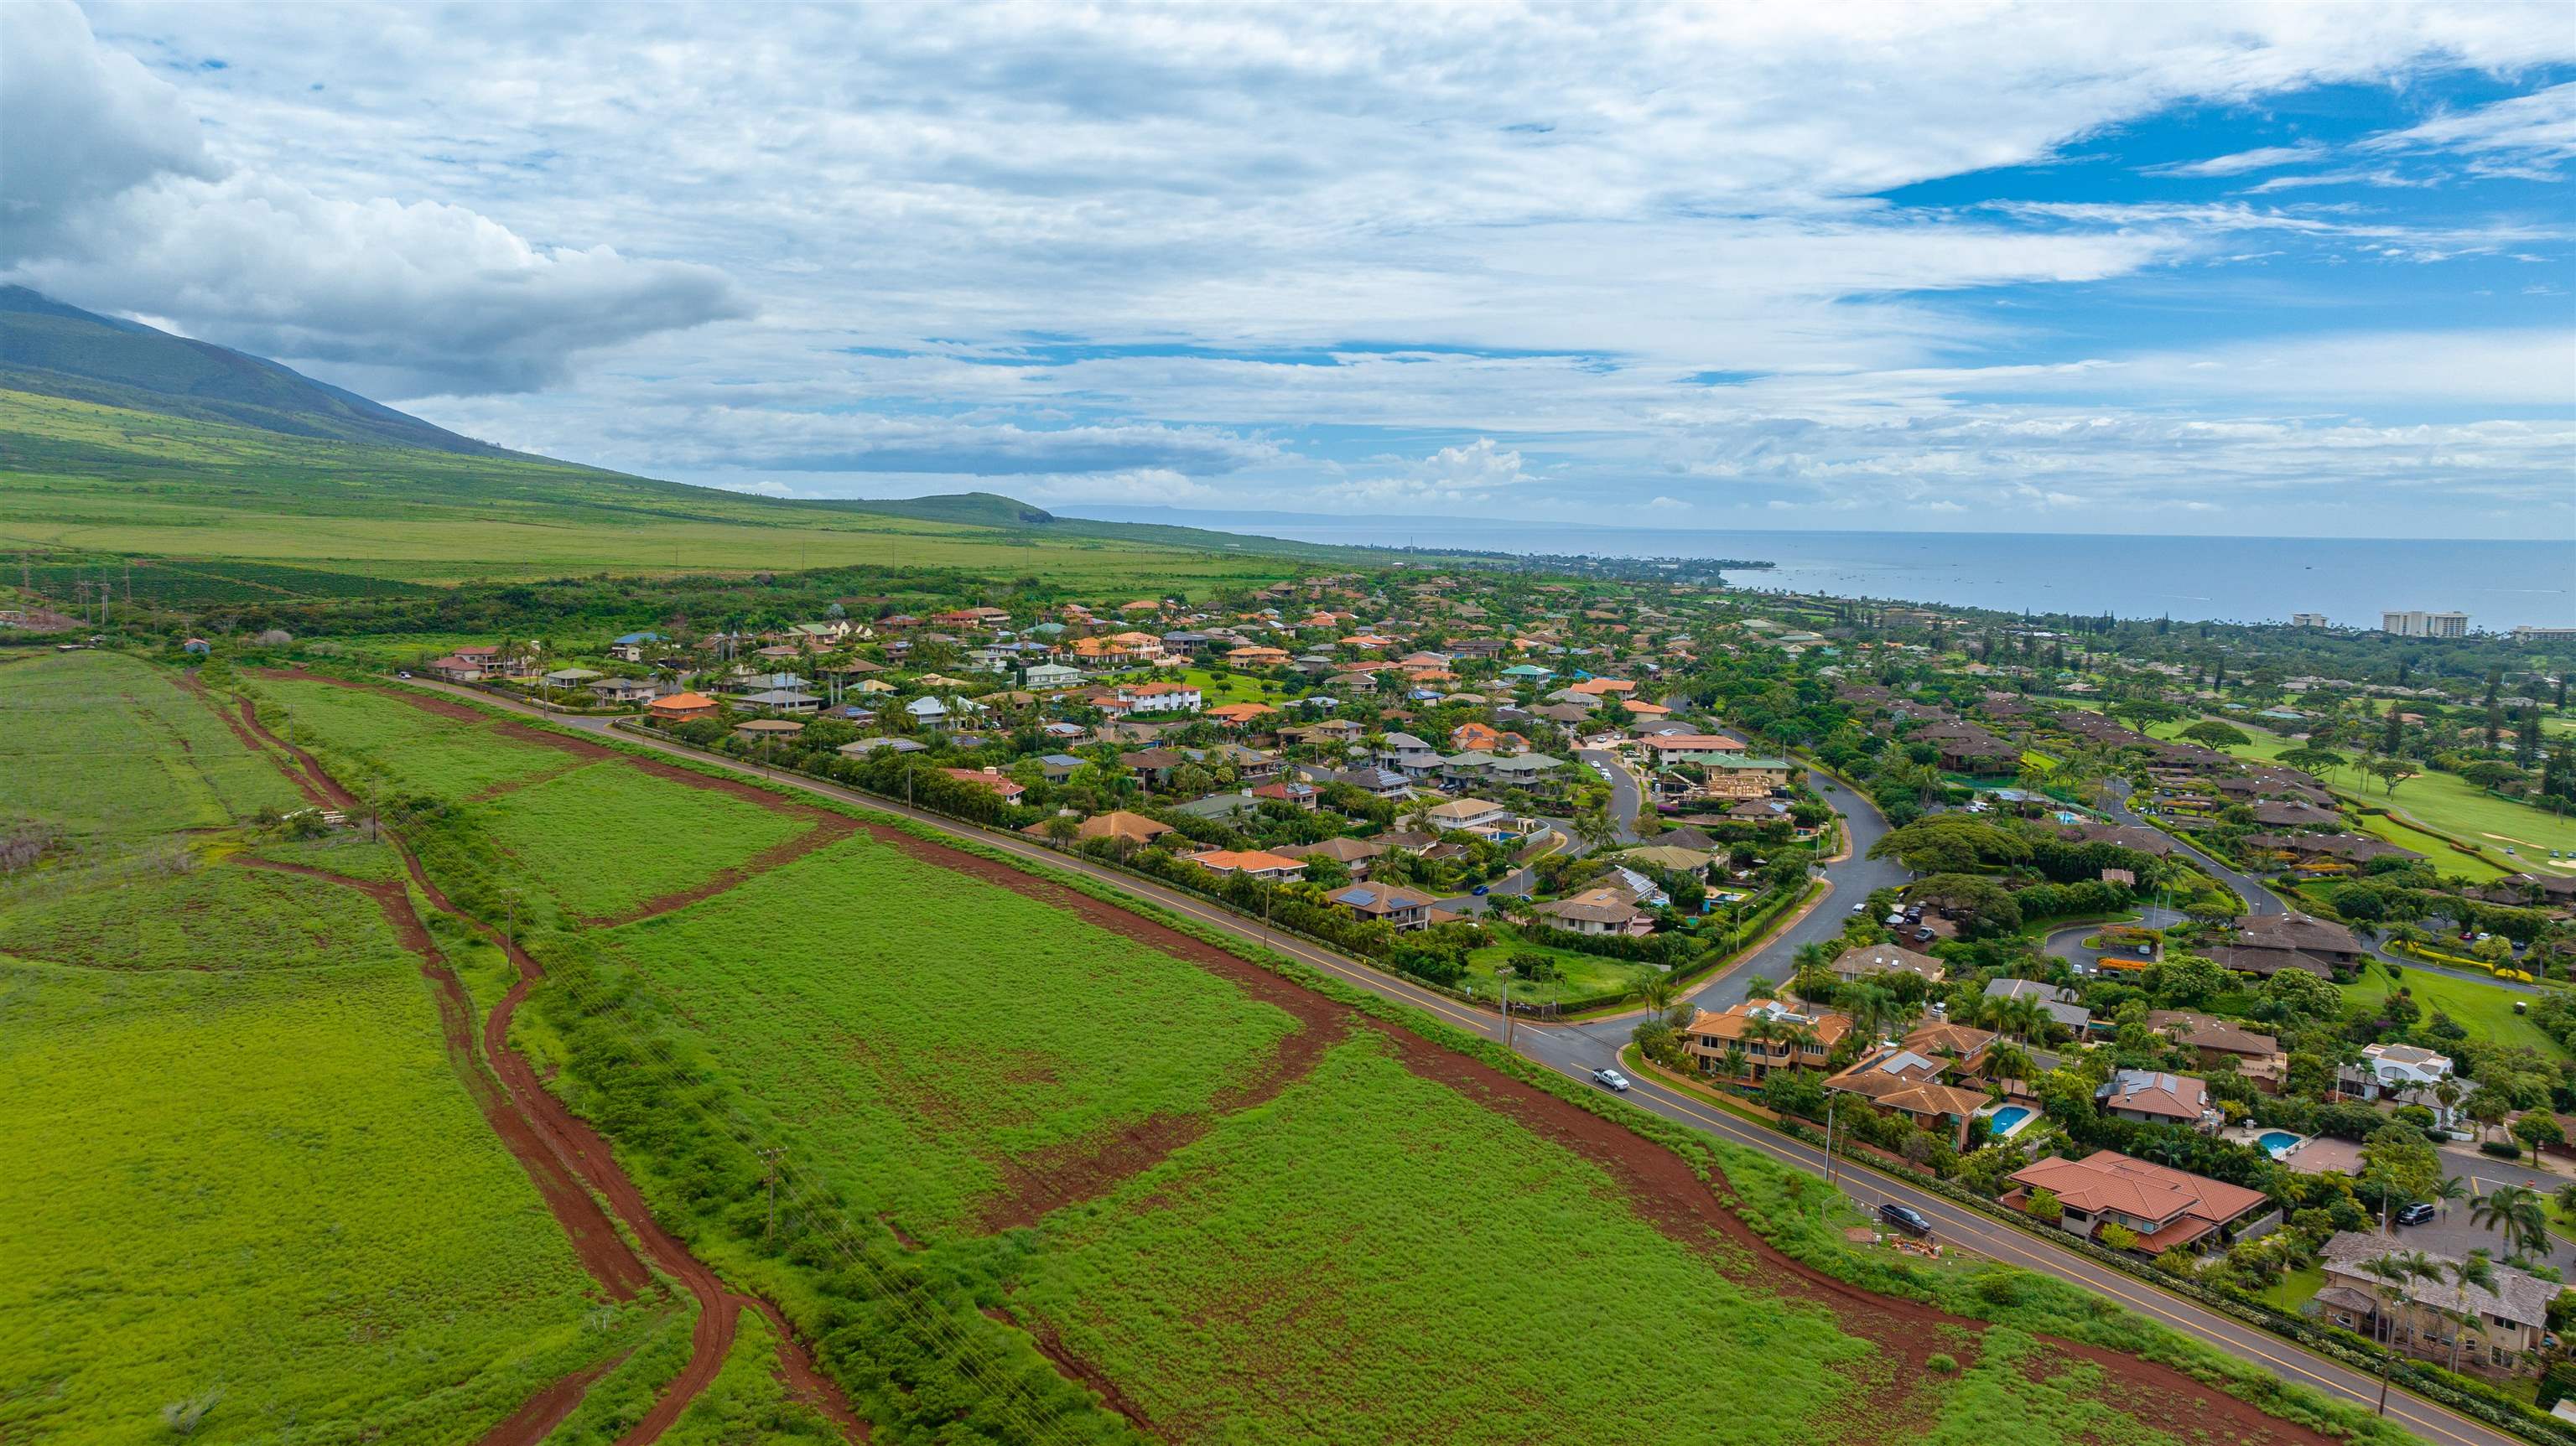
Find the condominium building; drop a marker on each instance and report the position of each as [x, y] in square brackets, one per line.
[2425, 625]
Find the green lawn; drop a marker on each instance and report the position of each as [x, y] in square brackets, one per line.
[269, 1186]
[2294, 1289]
[108, 749]
[2446, 859]
[1583, 976]
[746, 1405]
[2485, 1009]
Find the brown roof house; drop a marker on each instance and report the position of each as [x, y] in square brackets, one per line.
[1772, 1033]
[1902, 1082]
[1386, 903]
[2269, 943]
[2165, 1207]
[1133, 828]
[2154, 1097]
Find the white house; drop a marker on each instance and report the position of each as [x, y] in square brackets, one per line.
[2399, 1067]
[1157, 698]
[1052, 675]
[1469, 813]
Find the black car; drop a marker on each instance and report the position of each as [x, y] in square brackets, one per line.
[2415, 1214]
[1905, 1218]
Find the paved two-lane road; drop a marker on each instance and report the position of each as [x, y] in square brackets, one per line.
[1578, 1051]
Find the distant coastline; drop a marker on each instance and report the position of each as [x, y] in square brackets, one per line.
[2499, 584]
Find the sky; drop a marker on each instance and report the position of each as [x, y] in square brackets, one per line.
[2294, 270]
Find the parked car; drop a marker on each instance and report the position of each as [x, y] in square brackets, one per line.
[1617, 1082]
[1479, 890]
[2415, 1214]
[1861, 907]
[1905, 1218]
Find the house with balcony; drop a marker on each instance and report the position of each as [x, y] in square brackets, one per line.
[1902, 1081]
[1403, 908]
[2493, 1331]
[2156, 1097]
[1743, 1043]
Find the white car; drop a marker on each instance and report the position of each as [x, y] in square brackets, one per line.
[1617, 1082]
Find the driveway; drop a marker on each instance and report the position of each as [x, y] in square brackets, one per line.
[1577, 1051]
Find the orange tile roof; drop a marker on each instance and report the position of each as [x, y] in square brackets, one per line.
[681, 703]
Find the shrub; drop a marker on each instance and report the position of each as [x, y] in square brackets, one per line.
[1943, 1362]
[2501, 1149]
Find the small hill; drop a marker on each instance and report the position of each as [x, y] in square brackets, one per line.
[56, 350]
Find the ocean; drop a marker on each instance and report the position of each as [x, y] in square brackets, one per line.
[2225, 579]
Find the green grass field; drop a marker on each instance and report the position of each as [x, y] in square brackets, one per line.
[747, 1406]
[2486, 1009]
[269, 1187]
[348, 853]
[223, 917]
[1227, 1291]
[2446, 859]
[921, 1028]
[604, 838]
[110, 750]
[398, 748]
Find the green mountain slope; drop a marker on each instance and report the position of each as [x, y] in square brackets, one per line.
[56, 350]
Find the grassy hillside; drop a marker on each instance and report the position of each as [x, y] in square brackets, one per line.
[62, 351]
[81, 478]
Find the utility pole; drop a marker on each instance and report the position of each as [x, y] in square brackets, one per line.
[1829, 1138]
[1503, 973]
[769, 1156]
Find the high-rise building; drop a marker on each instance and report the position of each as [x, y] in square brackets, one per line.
[2425, 625]
[2308, 620]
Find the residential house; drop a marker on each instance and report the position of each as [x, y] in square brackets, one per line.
[624, 691]
[1386, 903]
[1236, 715]
[1771, 1033]
[682, 708]
[456, 668]
[1469, 813]
[1057, 767]
[1904, 1082]
[769, 730]
[1134, 698]
[1741, 778]
[1598, 911]
[1119, 824]
[2059, 1003]
[2494, 1331]
[779, 700]
[1301, 796]
[1535, 772]
[1052, 675]
[1407, 755]
[1155, 766]
[2162, 1206]
[1255, 862]
[1961, 1047]
[2155, 1097]
[988, 778]
[2266, 944]
[1690, 747]
[2256, 1056]
[1352, 853]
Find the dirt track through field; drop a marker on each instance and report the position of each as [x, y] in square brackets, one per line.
[1658, 1184]
[570, 1144]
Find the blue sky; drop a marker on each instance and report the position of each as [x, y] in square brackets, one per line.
[2046, 268]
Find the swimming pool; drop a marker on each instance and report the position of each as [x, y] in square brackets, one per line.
[2008, 1119]
[2278, 1142]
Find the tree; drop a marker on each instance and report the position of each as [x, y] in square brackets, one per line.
[2391, 771]
[2117, 1236]
[2537, 1128]
[2517, 1213]
[1062, 828]
[2217, 734]
[2397, 1164]
[2451, 1190]
[2045, 1206]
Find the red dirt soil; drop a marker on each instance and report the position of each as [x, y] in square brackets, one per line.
[571, 1144]
[1658, 1184]
[533, 1422]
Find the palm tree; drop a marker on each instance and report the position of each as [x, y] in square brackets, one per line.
[2452, 1191]
[2517, 1212]
[1658, 991]
[2398, 1269]
[2478, 1270]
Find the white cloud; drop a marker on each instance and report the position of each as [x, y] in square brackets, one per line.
[129, 212]
[2261, 158]
[2539, 128]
